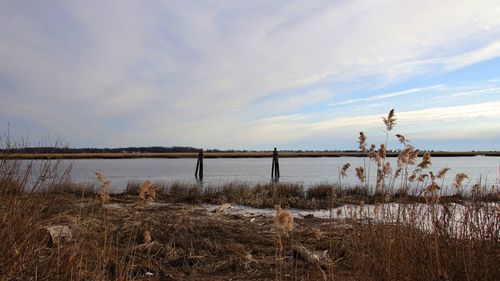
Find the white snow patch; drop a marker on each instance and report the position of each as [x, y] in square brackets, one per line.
[469, 220]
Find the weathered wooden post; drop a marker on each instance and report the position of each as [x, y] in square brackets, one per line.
[275, 169]
[199, 166]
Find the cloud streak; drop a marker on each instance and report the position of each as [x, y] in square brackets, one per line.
[390, 95]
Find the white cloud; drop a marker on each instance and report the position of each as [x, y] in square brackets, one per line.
[184, 73]
[467, 121]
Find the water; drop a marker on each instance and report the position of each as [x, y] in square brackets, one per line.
[308, 171]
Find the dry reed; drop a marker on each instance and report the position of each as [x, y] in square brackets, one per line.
[283, 220]
[402, 139]
[362, 142]
[442, 173]
[360, 174]
[104, 193]
[390, 121]
[147, 192]
[459, 178]
[426, 161]
[344, 169]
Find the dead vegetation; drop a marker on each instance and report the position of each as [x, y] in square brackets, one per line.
[63, 231]
[133, 241]
[128, 239]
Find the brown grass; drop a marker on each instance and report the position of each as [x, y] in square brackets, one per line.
[185, 242]
[172, 241]
[175, 238]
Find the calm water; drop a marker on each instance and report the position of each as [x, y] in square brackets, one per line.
[308, 171]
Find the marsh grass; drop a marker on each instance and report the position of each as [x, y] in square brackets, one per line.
[317, 196]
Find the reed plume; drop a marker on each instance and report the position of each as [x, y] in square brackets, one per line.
[404, 156]
[387, 169]
[382, 151]
[412, 177]
[442, 172]
[422, 177]
[430, 193]
[372, 153]
[459, 178]
[283, 220]
[147, 192]
[426, 161]
[398, 172]
[360, 174]
[390, 121]
[433, 187]
[104, 193]
[432, 176]
[100, 177]
[362, 142]
[402, 139]
[413, 157]
[343, 172]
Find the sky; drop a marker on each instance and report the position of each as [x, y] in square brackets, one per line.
[302, 75]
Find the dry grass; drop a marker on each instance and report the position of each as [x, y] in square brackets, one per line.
[125, 242]
[156, 231]
[104, 192]
[184, 242]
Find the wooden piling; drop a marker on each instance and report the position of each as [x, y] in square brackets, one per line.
[275, 169]
[199, 166]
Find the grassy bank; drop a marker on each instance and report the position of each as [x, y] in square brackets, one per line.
[296, 195]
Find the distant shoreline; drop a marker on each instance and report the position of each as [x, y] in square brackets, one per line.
[263, 154]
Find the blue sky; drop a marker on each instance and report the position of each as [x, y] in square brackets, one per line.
[251, 74]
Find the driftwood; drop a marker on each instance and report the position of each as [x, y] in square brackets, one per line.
[222, 208]
[312, 257]
[58, 234]
[319, 259]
